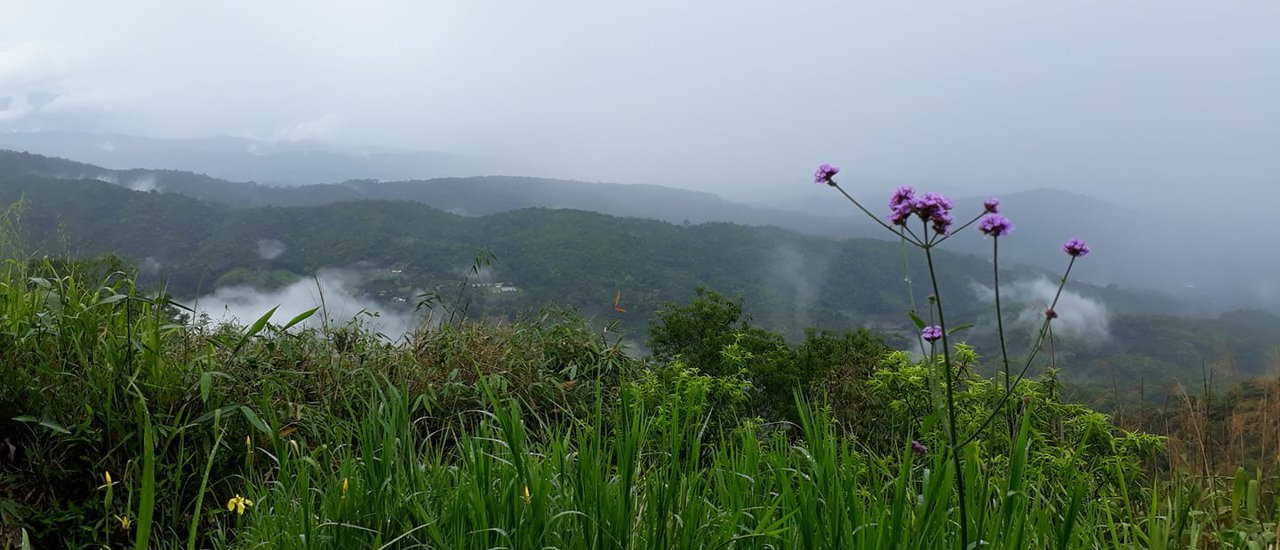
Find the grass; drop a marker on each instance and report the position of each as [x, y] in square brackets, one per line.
[534, 434]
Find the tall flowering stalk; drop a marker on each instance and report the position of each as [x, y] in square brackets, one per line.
[931, 214]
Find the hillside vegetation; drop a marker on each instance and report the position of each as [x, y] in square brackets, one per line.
[401, 250]
[130, 429]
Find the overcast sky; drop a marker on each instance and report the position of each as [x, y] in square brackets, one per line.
[1119, 98]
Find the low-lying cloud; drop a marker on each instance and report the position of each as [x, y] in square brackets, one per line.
[145, 184]
[270, 249]
[244, 305]
[1078, 316]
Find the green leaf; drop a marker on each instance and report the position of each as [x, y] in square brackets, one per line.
[255, 329]
[916, 319]
[960, 328]
[112, 299]
[147, 501]
[253, 419]
[300, 318]
[56, 427]
[206, 384]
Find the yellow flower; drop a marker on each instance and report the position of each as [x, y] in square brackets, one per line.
[344, 487]
[238, 504]
[527, 496]
[124, 522]
[294, 443]
[107, 476]
[248, 443]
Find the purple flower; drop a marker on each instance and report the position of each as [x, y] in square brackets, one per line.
[1076, 248]
[900, 214]
[941, 222]
[931, 334]
[901, 196]
[995, 225]
[991, 205]
[900, 205]
[919, 448]
[934, 208]
[825, 173]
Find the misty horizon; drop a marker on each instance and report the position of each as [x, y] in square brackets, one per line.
[1135, 103]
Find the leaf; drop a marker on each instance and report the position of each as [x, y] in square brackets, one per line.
[916, 319]
[253, 419]
[206, 384]
[255, 329]
[960, 328]
[261, 322]
[56, 427]
[300, 318]
[112, 299]
[147, 501]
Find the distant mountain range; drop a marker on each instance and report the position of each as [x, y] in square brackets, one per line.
[265, 162]
[470, 196]
[1132, 248]
[197, 229]
[237, 235]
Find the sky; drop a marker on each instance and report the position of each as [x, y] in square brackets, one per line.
[1160, 104]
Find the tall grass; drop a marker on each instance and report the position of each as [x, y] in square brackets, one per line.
[522, 435]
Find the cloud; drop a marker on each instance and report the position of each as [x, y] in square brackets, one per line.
[145, 184]
[270, 249]
[1078, 316]
[244, 305]
[326, 127]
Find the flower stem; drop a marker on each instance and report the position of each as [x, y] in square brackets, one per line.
[855, 202]
[948, 235]
[1031, 355]
[1004, 350]
[951, 399]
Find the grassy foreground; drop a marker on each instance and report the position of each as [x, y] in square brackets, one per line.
[121, 427]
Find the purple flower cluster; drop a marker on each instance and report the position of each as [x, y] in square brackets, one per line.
[825, 174]
[900, 205]
[931, 207]
[931, 334]
[995, 225]
[1076, 248]
[991, 205]
[919, 448]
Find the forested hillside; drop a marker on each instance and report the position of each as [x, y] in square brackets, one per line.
[401, 250]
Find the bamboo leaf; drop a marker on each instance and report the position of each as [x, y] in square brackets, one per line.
[300, 318]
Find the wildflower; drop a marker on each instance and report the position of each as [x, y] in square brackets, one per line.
[941, 222]
[124, 522]
[527, 497]
[991, 205]
[248, 443]
[825, 173]
[294, 443]
[238, 504]
[995, 225]
[1076, 248]
[900, 205]
[931, 207]
[345, 486]
[902, 196]
[931, 334]
[919, 448]
[1050, 314]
